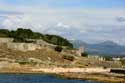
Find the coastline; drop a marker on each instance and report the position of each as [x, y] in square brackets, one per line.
[94, 77]
[105, 77]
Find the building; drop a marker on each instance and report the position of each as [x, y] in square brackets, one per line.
[96, 57]
[116, 59]
[80, 51]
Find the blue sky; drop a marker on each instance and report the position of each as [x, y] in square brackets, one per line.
[92, 21]
[71, 3]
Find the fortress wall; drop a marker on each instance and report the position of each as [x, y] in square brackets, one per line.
[9, 44]
[6, 40]
[23, 46]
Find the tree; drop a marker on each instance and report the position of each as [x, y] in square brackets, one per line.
[19, 39]
[84, 54]
[4, 33]
[57, 40]
[21, 35]
[108, 58]
[58, 48]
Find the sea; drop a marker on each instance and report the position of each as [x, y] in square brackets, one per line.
[37, 78]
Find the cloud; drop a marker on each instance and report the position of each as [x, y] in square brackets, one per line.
[62, 25]
[10, 19]
[120, 19]
[88, 24]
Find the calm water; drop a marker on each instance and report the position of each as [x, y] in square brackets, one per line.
[36, 78]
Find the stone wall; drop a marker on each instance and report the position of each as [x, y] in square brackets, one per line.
[23, 46]
[6, 40]
[9, 44]
[38, 44]
[44, 43]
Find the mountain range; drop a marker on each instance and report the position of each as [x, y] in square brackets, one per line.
[106, 48]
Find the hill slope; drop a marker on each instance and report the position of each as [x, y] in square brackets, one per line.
[21, 35]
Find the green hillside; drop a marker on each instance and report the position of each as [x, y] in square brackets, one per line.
[21, 35]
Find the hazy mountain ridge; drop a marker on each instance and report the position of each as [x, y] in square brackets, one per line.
[105, 48]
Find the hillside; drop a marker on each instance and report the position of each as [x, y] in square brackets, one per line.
[25, 51]
[47, 57]
[23, 35]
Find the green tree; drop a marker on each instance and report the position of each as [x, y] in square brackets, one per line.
[4, 32]
[84, 54]
[22, 35]
[57, 40]
[58, 48]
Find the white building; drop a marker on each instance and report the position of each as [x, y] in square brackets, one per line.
[96, 57]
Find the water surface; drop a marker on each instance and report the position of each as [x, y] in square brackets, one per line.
[36, 78]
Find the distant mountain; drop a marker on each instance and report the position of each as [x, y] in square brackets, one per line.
[78, 43]
[105, 48]
[109, 43]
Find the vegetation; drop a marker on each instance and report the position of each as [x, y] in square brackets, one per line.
[22, 40]
[25, 33]
[68, 57]
[26, 62]
[58, 48]
[23, 62]
[22, 35]
[57, 40]
[123, 62]
[108, 58]
[84, 54]
[4, 33]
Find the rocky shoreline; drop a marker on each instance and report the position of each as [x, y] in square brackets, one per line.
[93, 74]
[69, 73]
[94, 77]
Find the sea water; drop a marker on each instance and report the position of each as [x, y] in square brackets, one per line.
[37, 78]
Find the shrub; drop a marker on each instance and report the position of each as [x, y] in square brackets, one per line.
[19, 39]
[23, 62]
[108, 58]
[84, 54]
[58, 48]
[123, 62]
[68, 57]
[26, 62]
[22, 40]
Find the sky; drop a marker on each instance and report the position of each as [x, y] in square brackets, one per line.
[92, 21]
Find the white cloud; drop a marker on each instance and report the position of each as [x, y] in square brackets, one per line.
[10, 21]
[60, 24]
[92, 25]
